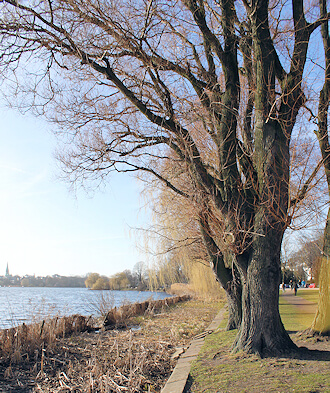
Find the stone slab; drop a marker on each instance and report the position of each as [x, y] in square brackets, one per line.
[178, 379]
[175, 387]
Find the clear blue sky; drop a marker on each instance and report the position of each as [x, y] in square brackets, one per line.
[45, 228]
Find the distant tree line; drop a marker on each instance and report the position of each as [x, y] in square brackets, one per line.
[137, 278]
[141, 277]
[47, 281]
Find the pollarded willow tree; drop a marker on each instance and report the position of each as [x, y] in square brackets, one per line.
[180, 230]
[139, 83]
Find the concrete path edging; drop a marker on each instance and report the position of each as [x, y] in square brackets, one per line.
[178, 379]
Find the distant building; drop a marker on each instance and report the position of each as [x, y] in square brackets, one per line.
[7, 271]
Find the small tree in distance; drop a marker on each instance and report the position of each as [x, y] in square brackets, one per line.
[91, 279]
[307, 259]
[119, 281]
[96, 282]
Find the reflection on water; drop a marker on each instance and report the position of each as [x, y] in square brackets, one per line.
[18, 305]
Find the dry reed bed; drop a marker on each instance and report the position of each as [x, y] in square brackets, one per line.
[108, 360]
[23, 341]
[118, 316]
[20, 343]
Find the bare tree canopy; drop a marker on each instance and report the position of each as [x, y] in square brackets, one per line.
[202, 95]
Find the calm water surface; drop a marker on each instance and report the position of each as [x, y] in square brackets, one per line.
[18, 305]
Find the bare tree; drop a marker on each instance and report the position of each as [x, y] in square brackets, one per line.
[133, 81]
[306, 260]
[177, 229]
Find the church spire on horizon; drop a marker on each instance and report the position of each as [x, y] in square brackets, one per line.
[7, 270]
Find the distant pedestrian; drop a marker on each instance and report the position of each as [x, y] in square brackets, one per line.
[283, 287]
[295, 287]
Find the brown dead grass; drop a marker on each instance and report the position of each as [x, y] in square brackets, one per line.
[136, 359]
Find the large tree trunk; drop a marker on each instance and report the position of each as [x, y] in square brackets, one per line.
[234, 301]
[321, 323]
[228, 277]
[262, 330]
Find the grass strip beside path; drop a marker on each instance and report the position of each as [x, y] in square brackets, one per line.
[217, 370]
[297, 312]
[309, 294]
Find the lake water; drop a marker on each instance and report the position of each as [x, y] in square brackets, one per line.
[18, 305]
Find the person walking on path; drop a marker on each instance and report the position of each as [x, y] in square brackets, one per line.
[295, 287]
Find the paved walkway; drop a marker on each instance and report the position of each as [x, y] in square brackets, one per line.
[179, 376]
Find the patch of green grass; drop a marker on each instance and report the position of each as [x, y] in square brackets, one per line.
[309, 294]
[292, 319]
[217, 370]
[221, 338]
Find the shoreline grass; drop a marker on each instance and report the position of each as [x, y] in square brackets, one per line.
[26, 340]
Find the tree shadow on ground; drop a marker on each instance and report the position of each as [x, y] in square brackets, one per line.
[188, 384]
[304, 353]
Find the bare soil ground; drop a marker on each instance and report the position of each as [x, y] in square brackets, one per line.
[135, 359]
